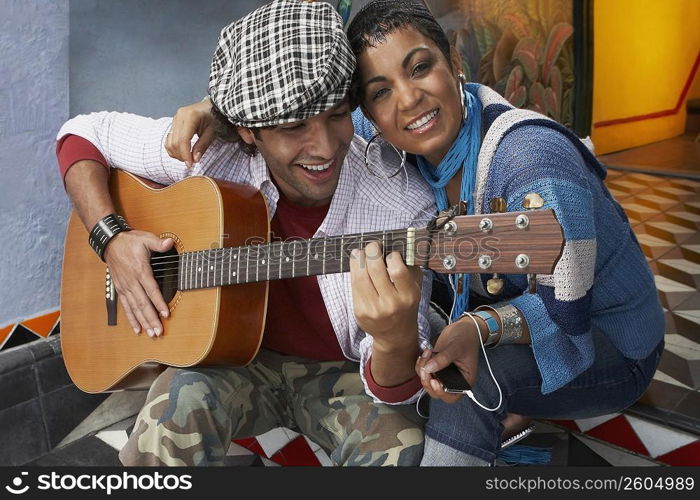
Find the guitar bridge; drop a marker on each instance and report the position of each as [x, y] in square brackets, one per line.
[110, 300]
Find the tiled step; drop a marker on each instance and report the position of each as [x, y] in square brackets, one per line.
[681, 360]
[691, 252]
[655, 201]
[626, 185]
[692, 206]
[638, 211]
[652, 246]
[686, 219]
[669, 231]
[680, 270]
[674, 192]
[672, 293]
[687, 324]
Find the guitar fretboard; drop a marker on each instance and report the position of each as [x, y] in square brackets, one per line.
[280, 259]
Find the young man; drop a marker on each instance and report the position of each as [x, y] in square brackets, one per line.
[336, 348]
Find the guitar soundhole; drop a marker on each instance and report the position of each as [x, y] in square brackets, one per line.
[165, 270]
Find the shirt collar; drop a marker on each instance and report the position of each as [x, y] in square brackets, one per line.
[334, 223]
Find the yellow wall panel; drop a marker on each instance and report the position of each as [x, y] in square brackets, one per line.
[644, 52]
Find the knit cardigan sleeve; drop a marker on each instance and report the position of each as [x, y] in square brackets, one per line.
[539, 159]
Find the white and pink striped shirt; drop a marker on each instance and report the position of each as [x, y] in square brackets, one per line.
[362, 202]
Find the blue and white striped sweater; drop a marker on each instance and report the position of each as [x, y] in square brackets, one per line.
[602, 280]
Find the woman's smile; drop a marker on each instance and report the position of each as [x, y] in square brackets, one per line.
[424, 122]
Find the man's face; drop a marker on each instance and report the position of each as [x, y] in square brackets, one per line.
[305, 157]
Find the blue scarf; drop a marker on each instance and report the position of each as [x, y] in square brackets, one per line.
[463, 155]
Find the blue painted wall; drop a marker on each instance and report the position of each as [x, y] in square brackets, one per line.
[33, 105]
[145, 57]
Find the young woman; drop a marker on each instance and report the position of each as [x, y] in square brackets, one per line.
[587, 341]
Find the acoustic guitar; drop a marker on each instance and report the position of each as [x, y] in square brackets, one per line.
[221, 234]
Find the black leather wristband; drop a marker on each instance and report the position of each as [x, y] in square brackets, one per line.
[106, 229]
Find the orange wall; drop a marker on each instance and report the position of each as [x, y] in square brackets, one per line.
[644, 51]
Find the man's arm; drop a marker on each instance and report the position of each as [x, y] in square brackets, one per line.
[127, 254]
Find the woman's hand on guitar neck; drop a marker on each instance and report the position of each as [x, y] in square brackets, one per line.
[195, 119]
[128, 256]
[386, 295]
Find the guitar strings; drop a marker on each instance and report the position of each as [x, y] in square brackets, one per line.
[163, 272]
[334, 243]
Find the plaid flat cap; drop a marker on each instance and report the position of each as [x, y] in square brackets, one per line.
[286, 61]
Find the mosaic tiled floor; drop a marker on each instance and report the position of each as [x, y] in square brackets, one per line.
[283, 447]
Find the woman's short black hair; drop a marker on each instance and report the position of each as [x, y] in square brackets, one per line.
[380, 18]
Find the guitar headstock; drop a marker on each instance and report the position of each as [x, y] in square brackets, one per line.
[528, 242]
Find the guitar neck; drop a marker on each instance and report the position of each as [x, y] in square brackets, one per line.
[292, 258]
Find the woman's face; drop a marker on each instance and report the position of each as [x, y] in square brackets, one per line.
[411, 92]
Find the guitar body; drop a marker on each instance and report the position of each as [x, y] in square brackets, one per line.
[208, 326]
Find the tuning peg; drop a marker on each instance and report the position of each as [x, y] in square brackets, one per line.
[532, 201]
[498, 205]
[532, 283]
[495, 285]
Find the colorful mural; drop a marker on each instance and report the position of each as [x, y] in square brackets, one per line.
[522, 48]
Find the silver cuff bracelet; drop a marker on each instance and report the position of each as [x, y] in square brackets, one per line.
[511, 322]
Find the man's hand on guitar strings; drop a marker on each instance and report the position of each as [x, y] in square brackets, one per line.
[128, 257]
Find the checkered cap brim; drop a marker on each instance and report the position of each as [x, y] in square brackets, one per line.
[286, 61]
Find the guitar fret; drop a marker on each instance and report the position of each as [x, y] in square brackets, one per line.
[280, 257]
[341, 252]
[238, 266]
[183, 270]
[257, 262]
[208, 265]
[308, 255]
[294, 257]
[269, 256]
[228, 273]
[195, 271]
[191, 271]
[180, 262]
[323, 258]
[247, 264]
[221, 277]
[200, 270]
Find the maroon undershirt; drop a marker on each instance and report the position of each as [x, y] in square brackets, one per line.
[297, 321]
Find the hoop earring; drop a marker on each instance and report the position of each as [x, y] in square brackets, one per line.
[462, 80]
[402, 155]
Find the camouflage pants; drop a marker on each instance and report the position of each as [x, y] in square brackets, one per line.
[191, 414]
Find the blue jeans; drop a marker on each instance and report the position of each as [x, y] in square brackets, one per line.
[611, 384]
